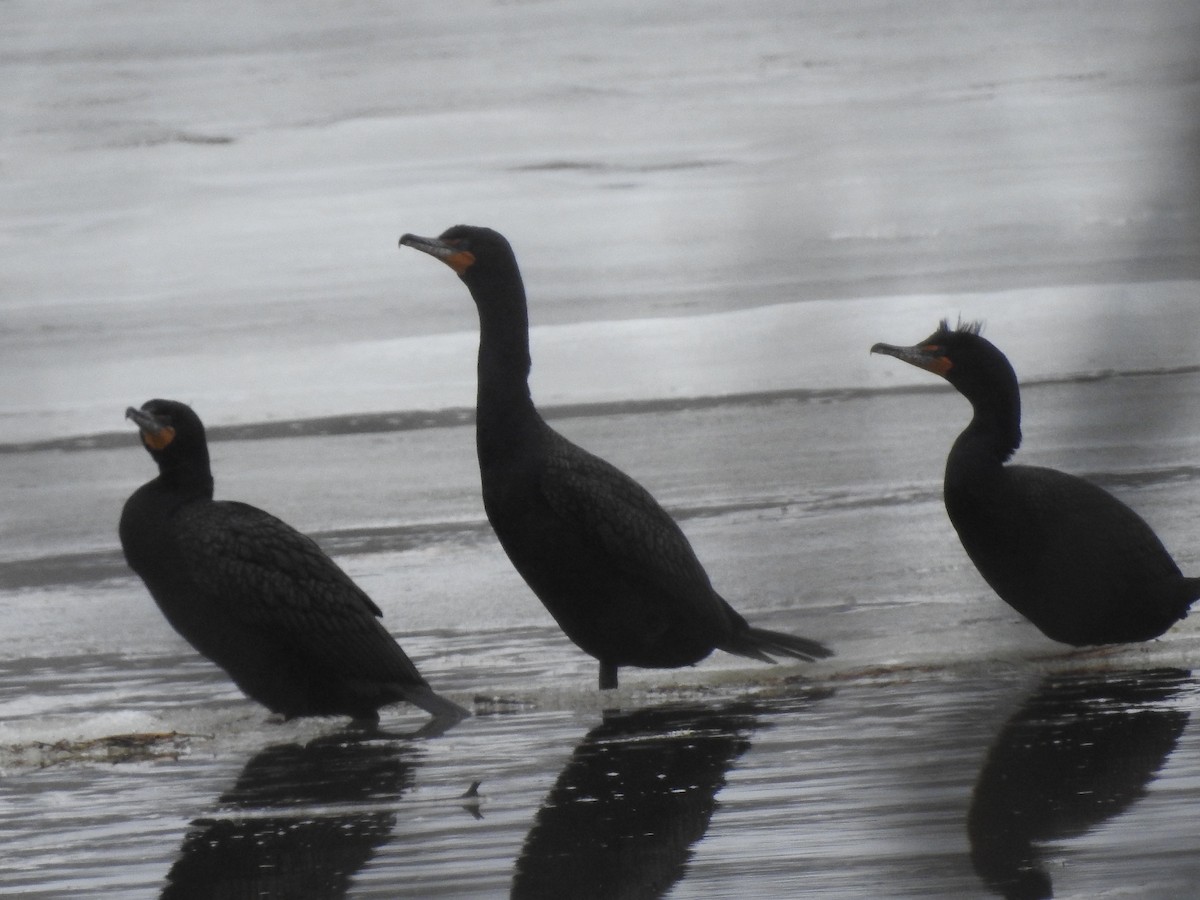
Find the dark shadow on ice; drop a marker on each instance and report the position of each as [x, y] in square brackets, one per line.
[637, 793]
[289, 828]
[1080, 751]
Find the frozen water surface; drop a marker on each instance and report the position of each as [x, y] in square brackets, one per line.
[718, 209]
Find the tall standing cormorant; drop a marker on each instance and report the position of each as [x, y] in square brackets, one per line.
[255, 596]
[1070, 557]
[611, 566]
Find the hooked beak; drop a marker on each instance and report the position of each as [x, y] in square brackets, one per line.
[455, 257]
[924, 356]
[155, 434]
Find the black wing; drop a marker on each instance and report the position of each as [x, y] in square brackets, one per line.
[274, 580]
[614, 513]
[1080, 525]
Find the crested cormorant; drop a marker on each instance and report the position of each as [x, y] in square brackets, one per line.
[610, 565]
[255, 596]
[1074, 560]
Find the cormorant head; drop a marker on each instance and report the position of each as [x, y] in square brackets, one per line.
[171, 432]
[963, 357]
[476, 254]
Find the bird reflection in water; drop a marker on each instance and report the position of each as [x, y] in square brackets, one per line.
[637, 793]
[291, 829]
[1080, 751]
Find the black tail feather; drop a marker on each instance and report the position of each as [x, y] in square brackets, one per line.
[761, 644]
[434, 704]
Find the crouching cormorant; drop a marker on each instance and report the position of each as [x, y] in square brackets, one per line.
[1070, 557]
[255, 596]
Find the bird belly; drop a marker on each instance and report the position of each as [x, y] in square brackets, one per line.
[1042, 554]
[607, 613]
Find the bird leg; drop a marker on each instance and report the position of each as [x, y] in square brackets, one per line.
[608, 677]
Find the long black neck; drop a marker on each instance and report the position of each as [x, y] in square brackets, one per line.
[187, 477]
[504, 404]
[992, 437]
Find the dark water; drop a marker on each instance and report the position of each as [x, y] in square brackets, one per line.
[896, 783]
[948, 750]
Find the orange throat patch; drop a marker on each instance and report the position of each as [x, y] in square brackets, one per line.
[460, 260]
[159, 440]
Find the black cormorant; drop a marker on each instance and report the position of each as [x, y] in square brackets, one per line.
[255, 596]
[611, 566]
[1070, 557]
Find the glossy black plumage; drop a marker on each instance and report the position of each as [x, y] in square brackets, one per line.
[254, 595]
[1066, 554]
[608, 562]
